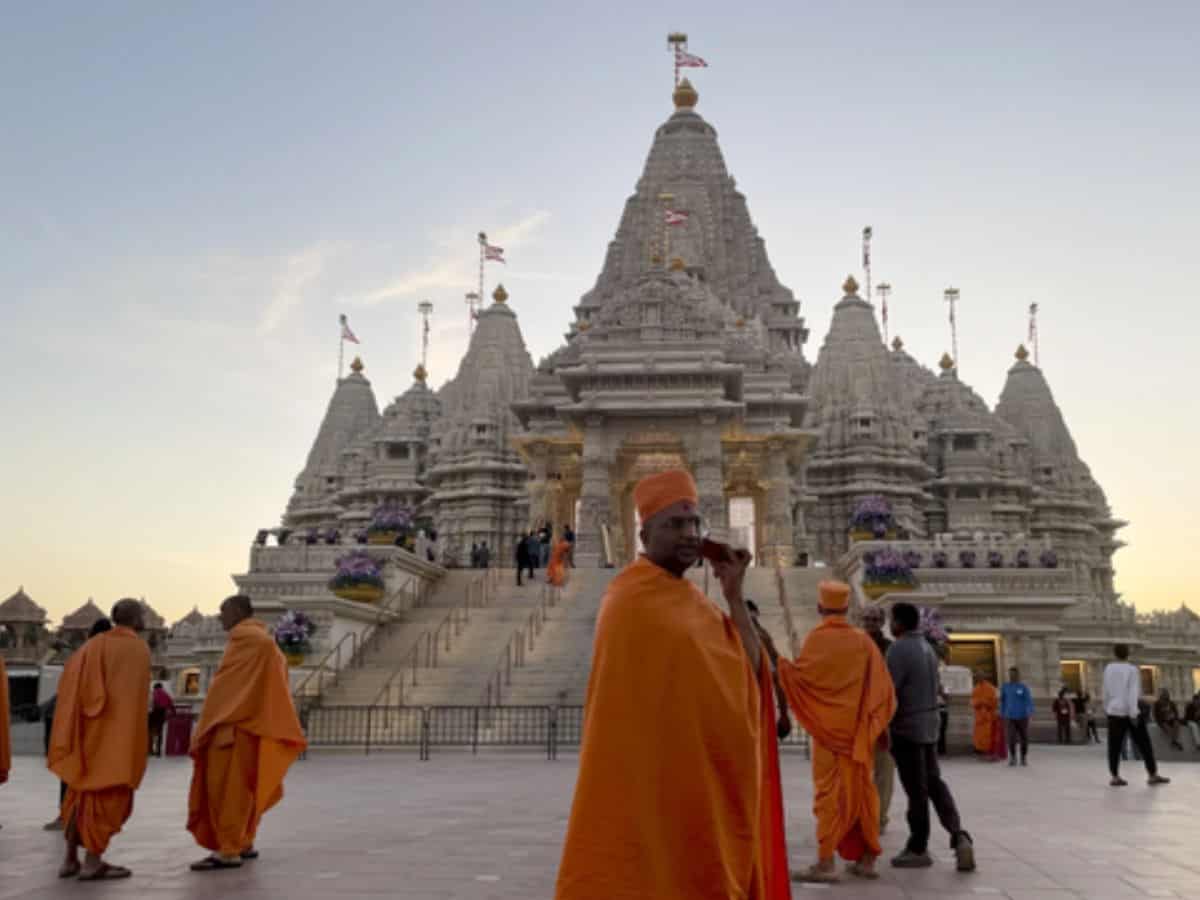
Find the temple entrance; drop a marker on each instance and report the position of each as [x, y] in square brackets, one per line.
[634, 465]
[743, 524]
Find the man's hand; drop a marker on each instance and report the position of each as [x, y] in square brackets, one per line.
[783, 727]
[731, 572]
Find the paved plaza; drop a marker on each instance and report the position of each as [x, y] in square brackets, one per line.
[492, 826]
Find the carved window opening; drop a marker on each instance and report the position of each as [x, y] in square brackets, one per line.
[965, 442]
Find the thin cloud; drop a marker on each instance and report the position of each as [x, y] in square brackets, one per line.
[298, 272]
[454, 265]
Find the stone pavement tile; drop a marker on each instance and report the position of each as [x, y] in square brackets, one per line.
[491, 828]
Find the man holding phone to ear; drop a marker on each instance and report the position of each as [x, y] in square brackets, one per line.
[671, 799]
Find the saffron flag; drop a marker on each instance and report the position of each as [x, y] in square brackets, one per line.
[347, 334]
[675, 217]
[686, 60]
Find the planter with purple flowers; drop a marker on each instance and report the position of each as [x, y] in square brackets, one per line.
[995, 559]
[1022, 558]
[886, 572]
[358, 578]
[1049, 559]
[293, 632]
[872, 520]
[390, 524]
[966, 559]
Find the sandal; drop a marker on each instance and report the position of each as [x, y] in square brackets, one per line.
[250, 854]
[69, 870]
[858, 870]
[816, 875]
[212, 863]
[106, 873]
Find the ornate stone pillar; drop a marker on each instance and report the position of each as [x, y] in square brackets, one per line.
[777, 546]
[705, 453]
[595, 509]
[537, 486]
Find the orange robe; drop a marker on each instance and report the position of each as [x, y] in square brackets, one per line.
[5, 736]
[247, 737]
[984, 700]
[841, 693]
[668, 802]
[98, 744]
[556, 570]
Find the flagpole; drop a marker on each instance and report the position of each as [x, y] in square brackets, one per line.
[676, 41]
[1033, 333]
[482, 258]
[341, 343]
[884, 291]
[951, 297]
[866, 256]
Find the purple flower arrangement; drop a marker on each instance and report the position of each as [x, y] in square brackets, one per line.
[995, 559]
[391, 517]
[886, 566]
[1049, 559]
[355, 569]
[293, 632]
[940, 559]
[872, 515]
[912, 559]
[1022, 558]
[966, 558]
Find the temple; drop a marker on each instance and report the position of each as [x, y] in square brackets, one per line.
[687, 351]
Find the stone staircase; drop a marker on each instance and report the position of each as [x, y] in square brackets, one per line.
[361, 684]
[556, 670]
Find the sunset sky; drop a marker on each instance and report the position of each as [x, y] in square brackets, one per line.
[192, 196]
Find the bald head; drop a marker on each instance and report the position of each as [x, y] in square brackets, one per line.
[235, 609]
[128, 613]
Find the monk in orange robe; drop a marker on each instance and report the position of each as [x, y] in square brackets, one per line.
[556, 569]
[670, 801]
[247, 737]
[99, 740]
[985, 701]
[840, 691]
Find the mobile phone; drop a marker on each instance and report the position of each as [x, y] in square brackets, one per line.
[715, 551]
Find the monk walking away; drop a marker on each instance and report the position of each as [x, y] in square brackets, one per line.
[671, 802]
[98, 743]
[839, 690]
[985, 700]
[914, 734]
[247, 737]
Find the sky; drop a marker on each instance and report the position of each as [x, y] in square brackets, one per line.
[191, 194]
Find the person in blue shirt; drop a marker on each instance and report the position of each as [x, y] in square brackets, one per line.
[1016, 708]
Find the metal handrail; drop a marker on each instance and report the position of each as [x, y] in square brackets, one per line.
[300, 692]
[360, 643]
[519, 645]
[430, 639]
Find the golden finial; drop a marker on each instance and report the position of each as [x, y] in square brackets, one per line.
[850, 286]
[656, 259]
[677, 264]
[897, 344]
[946, 363]
[685, 95]
[420, 374]
[741, 322]
[1022, 354]
[357, 366]
[500, 295]
[584, 325]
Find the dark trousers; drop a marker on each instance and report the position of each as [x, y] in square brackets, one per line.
[1018, 735]
[1064, 731]
[943, 724]
[524, 567]
[47, 727]
[1118, 727]
[1090, 732]
[917, 765]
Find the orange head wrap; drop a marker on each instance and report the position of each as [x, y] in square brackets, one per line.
[654, 493]
[834, 596]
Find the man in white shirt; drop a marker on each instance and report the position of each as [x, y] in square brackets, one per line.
[1122, 691]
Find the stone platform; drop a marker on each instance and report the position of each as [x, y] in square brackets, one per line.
[492, 827]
